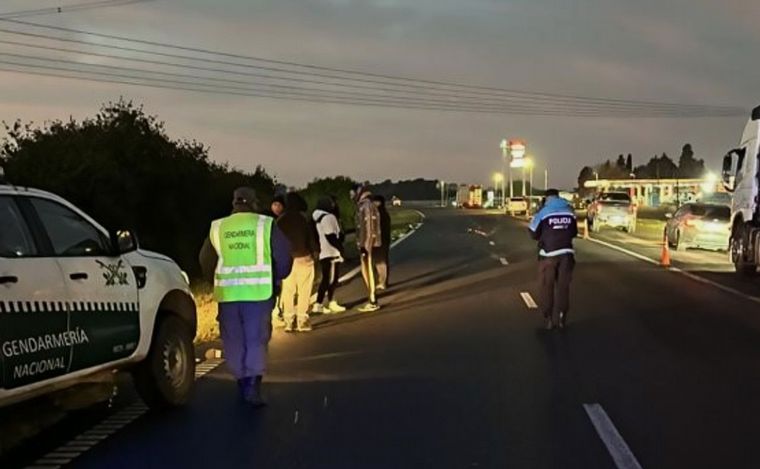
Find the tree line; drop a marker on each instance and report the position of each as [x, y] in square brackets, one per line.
[658, 167]
[121, 168]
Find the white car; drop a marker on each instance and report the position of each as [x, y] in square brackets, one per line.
[517, 205]
[76, 300]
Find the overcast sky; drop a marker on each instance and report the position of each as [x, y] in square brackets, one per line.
[686, 51]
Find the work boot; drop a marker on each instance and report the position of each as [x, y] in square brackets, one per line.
[549, 324]
[318, 308]
[244, 386]
[304, 326]
[255, 398]
[289, 326]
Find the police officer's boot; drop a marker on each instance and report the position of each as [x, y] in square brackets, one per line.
[255, 397]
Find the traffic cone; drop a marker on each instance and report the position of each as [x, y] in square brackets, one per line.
[665, 256]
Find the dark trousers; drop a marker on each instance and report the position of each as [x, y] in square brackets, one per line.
[246, 327]
[329, 281]
[554, 277]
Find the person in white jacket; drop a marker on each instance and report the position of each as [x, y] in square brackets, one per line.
[330, 255]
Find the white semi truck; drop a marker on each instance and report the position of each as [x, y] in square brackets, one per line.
[741, 176]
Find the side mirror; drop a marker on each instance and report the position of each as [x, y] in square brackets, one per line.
[123, 242]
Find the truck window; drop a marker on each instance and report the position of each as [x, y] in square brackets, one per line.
[69, 233]
[15, 238]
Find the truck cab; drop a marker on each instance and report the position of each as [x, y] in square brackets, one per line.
[741, 177]
[76, 299]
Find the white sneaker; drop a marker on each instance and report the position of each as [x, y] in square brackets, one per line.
[334, 307]
[318, 308]
[369, 308]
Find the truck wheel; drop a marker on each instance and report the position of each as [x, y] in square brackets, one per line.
[738, 249]
[165, 378]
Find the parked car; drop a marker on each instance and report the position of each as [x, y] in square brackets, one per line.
[517, 206]
[612, 209]
[706, 226]
[76, 300]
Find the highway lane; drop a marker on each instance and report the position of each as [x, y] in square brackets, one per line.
[456, 371]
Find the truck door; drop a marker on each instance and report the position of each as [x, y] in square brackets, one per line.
[102, 292]
[34, 326]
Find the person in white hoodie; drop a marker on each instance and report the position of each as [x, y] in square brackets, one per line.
[330, 255]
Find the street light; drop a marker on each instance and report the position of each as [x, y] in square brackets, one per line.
[529, 165]
[498, 178]
[504, 145]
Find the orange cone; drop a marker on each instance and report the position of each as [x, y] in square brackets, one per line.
[665, 257]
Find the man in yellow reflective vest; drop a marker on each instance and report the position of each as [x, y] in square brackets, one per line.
[248, 257]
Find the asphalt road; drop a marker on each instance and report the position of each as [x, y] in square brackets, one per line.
[456, 372]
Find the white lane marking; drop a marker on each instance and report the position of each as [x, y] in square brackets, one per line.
[624, 251]
[686, 274]
[616, 445]
[503, 261]
[356, 270]
[717, 285]
[529, 302]
[110, 425]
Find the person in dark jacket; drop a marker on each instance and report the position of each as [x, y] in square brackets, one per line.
[367, 239]
[555, 227]
[296, 289]
[382, 253]
[245, 323]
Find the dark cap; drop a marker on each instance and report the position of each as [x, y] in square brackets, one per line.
[244, 198]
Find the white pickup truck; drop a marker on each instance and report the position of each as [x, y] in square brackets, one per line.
[76, 300]
[741, 176]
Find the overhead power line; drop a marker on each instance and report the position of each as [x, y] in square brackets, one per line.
[68, 8]
[307, 80]
[177, 84]
[224, 79]
[222, 84]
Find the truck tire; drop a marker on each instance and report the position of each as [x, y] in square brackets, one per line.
[165, 378]
[739, 238]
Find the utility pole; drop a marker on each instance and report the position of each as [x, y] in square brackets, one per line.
[530, 170]
[546, 179]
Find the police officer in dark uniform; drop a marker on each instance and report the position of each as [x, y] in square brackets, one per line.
[554, 227]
